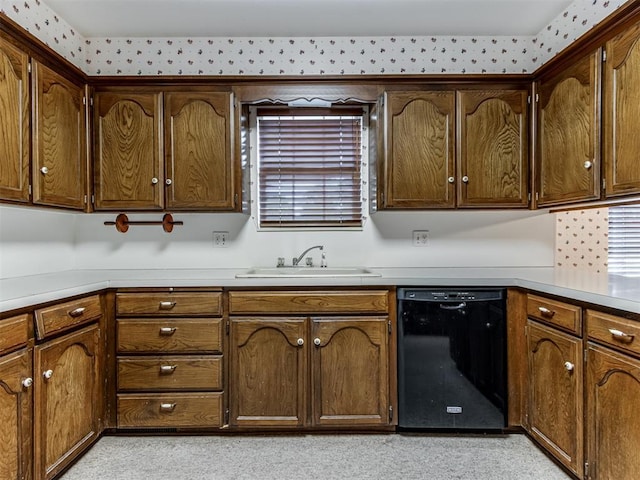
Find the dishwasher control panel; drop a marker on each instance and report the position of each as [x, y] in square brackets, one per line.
[431, 295]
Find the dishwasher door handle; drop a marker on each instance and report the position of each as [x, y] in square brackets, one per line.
[460, 306]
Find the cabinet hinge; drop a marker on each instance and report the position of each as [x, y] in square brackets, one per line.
[235, 200]
[586, 469]
[84, 100]
[604, 184]
[537, 98]
[93, 199]
[86, 199]
[389, 325]
[227, 327]
[226, 416]
[585, 354]
[529, 99]
[30, 190]
[604, 55]
[29, 67]
[390, 413]
[529, 196]
[537, 196]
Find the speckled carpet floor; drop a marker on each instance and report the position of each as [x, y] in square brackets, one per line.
[432, 457]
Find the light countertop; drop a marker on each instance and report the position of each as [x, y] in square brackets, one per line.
[612, 291]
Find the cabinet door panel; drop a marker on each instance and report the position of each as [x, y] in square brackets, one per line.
[199, 155]
[66, 405]
[268, 372]
[568, 134]
[419, 150]
[622, 113]
[613, 403]
[14, 123]
[555, 393]
[493, 149]
[59, 160]
[127, 151]
[15, 416]
[350, 371]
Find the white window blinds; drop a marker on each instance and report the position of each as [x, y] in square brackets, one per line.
[624, 240]
[310, 169]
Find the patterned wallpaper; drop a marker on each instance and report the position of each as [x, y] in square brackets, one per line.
[308, 56]
[582, 240]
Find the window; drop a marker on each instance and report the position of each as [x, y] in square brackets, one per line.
[624, 240]
[309, 167]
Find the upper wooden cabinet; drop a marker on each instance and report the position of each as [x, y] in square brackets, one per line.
[130, 144]
[422, 167]
[493, 146]
[199, 151]
[418, 167]
[622, 113]
[568, 133]
[128, 171]
[14, 123]
[59, 141]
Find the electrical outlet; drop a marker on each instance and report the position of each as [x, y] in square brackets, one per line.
[420, 238]
[220, 239]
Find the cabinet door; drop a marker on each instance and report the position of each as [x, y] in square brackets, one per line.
[555, 393]
[268, 372]
[493, 149]
[622, 113]
[350, 371]
[67, 399]
[568, 134]
[15, 416]
[419, 150]
[128, 151]
[199, 153]
[14, 123]
[613, 403]
[59, 158]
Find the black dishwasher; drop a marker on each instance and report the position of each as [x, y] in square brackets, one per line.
[451, 359]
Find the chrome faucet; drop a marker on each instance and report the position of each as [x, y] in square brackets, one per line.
[296, 261]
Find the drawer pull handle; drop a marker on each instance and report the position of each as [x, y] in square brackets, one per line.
[546, 312]
[569, 366]
[76, 312]
[167, 330]
[167, 369]
[167, 407]
[621, 336]
[167, 305]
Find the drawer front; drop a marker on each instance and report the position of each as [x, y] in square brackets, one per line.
[182, 410]
[170, 373]
[614, 331]
[14, 332]
[309, 302]
[183, 335]
[563, 315]
[67, 315]
[204, 303]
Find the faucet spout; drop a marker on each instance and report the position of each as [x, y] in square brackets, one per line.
[296, 261]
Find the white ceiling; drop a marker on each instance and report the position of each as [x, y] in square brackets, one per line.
[306, 18]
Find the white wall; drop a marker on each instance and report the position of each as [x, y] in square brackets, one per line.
[39, 241]
[35, 241]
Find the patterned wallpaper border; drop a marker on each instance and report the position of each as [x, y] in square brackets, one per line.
[299, 56]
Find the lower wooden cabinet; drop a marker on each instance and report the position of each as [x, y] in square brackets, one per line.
[555, 393]
[68, 396]
[16, 402]
[309, 371]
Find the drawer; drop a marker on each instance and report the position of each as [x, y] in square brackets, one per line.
[614, 331]
[309, 302]
[181, 335]
[560, 314]
[170, 303]
[183, 410]
[170, 373]
[14, 332]
[67, 315]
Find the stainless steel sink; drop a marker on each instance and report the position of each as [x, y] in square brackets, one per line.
[307, 272]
